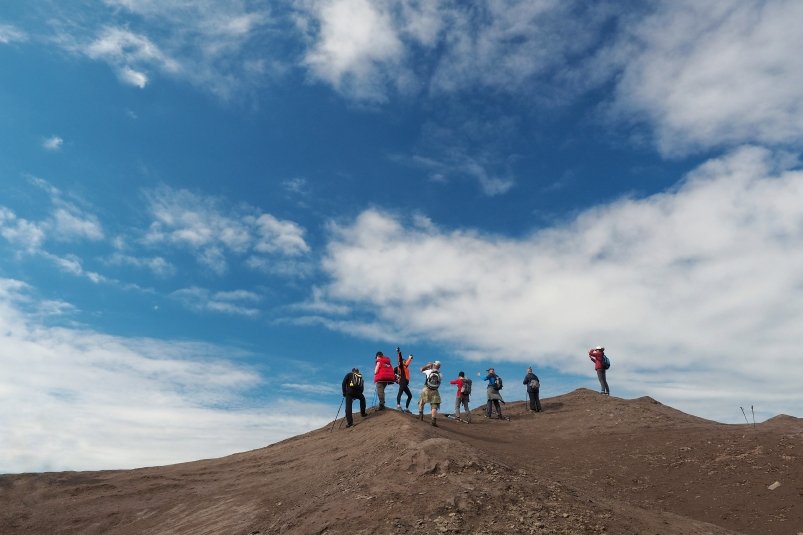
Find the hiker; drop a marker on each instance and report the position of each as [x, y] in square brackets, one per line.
[403, 374]
[601, 364]
[430, 394]
[463, 393]
[383, 376]
[533, 387]
[352, 389]
[494, 397]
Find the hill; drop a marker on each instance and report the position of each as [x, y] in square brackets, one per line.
[587, 464]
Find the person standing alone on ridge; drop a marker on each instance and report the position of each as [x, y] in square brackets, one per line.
[430, 394]
[463, 393]
[601, 365]
[383, 376]
[352, 389]
[533, 388]
[404, 380]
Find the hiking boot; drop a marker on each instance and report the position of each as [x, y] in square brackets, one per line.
[420, 415]
[398, 408]
[364, 415]
[349, 425]
[381, 407]
[434, 423]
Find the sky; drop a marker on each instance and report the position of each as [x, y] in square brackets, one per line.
[210, 211]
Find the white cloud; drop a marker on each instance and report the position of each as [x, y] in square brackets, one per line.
[82, 400]
[53, 143]
[10, 34]
[156, 264]
[232, 302]
[357, 46]
[713, 74]
[206, 227]
[689, 289]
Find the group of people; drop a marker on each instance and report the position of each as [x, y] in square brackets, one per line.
[386, 374]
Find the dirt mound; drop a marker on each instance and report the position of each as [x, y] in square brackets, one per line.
[587, 464]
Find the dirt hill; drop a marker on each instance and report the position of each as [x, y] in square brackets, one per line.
[586, 464]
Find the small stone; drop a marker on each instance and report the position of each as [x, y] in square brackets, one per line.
[774, 485]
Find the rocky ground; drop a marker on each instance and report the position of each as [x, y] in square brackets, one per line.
[586, 464]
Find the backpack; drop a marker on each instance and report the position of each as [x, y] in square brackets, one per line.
[498, 383]
[356, 381]
[606, 362]
[534, 383]
[433, 381]
[466, 390]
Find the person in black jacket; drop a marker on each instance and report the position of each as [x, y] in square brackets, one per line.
[533, 387]
[353, 386]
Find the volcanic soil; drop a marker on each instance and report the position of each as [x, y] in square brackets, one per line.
[586, 464]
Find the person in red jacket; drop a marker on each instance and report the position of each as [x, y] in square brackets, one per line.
[383, 376]
[597, 356]
[462, 396]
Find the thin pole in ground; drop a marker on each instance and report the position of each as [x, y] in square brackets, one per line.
[338, 413]
[745, 416]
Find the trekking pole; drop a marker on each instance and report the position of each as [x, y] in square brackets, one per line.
[754, 416]
[338, 413]
[745, 416]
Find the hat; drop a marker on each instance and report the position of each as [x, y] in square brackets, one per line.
[489, 369]
[599, 348]
[437, 363]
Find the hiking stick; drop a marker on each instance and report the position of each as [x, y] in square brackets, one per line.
[754, 416]
[745, 416]
[338, 413]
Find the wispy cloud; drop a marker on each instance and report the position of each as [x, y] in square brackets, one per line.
[53, 143]
[113, 402]
[212, 230]
[11, 34]
[710, 74]
[669, 283]
[233, 302]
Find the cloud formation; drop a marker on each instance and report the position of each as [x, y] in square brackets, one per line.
[113, 402]
[204, 226]
[669, 282]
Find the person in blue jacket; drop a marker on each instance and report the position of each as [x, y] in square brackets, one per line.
[494, 397]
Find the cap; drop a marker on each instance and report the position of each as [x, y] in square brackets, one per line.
[599, 348]
[437, 363]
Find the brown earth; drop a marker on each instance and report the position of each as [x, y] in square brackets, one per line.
[586, 464]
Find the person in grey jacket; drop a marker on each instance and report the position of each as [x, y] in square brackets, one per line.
[533, 387]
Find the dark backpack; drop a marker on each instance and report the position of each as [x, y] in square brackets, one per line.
[466, 389]
[498, 383]
[433, 381]
[606, 362]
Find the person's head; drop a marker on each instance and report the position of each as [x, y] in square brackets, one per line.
[436, 364]
[600, 349]
[379, 354]
[461, 374]
[355, 370]
[490, 370]
[530, 369]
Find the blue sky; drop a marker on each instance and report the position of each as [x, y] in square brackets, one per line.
[209, 212]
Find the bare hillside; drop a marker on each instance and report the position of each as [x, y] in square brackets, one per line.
[587, 464]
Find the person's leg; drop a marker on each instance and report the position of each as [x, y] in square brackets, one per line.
[464, 401]
[457, 407]
[409, 396]
[421, 403]
[603, 382]
[488, 409]
[402, 386]
[531, 395]
[537, 400]
[498, 408]
[380, 392]
[362, 406]
[434, 407]
[349, 419]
